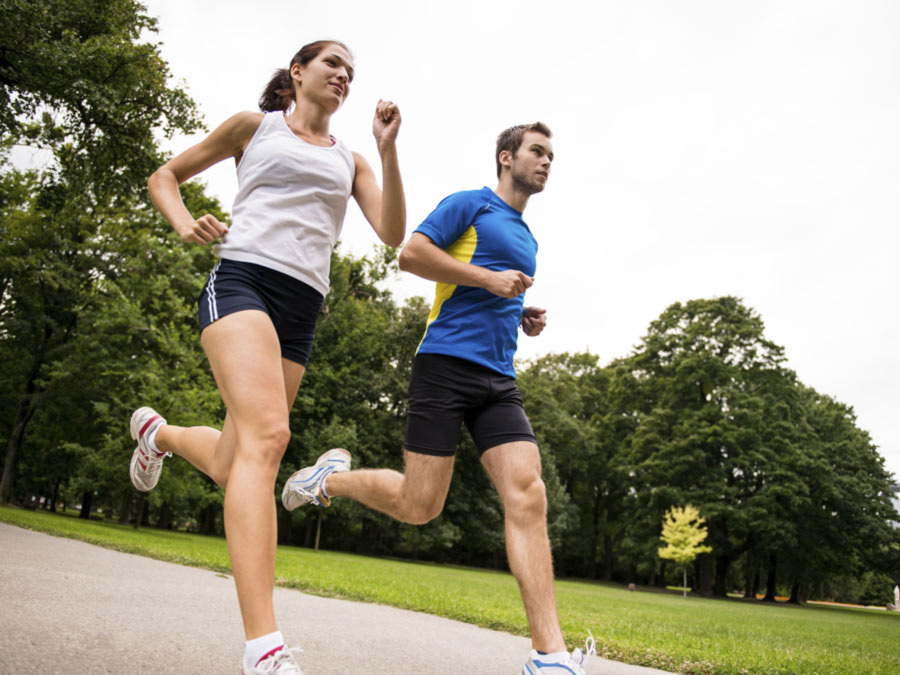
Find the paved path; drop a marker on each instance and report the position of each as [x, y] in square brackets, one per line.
[70, 608]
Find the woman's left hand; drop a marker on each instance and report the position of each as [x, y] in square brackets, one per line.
[386, 123]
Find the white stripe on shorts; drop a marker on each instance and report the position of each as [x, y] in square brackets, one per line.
[211, 294]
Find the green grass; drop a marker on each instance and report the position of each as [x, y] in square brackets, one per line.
[664, 630]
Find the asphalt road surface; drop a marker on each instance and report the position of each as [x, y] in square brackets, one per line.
[70, 608]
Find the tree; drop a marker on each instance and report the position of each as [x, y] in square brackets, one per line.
[683, 533]
[76, 83]
[709, 388]
[844, 515]
[117, 316]
[77, 80]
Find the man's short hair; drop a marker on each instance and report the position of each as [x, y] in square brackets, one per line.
[510, 139]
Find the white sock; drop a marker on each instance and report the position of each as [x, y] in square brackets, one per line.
[555, 657]
[257, 648]
[151, 439]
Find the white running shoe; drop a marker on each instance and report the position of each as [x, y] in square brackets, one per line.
[305, 485]
[281, 662]
[573, 665]
[146, 463]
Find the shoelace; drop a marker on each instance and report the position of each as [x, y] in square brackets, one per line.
[154, 462]
[282, 663]
[582, 658]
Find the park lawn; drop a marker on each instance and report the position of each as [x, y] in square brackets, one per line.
[687, 635]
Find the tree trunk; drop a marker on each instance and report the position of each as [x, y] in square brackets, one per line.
[651, 582]
[308, 534]
[770, 582]
[55, 495]
[24, 412]
[285, 527]
[142, 505]
[208, 520]
[723, 562]
[86, 500]
[164, 520]
[705, 582]
[607, 557]
[595, 540]
[796, 592]
[125, 508]
[749, 576]
[684, 582]
[662, 574]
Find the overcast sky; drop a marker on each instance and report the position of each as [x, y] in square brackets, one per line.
[703, 148]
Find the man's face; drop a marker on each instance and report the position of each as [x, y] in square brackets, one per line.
[530, 166]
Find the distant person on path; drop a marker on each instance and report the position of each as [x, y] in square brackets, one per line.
[259, 307]
[482, 255]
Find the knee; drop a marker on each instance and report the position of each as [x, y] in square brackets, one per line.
[419, 513]
[266, 444]
[527, 498]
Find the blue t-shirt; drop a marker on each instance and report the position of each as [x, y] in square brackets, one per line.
[478, 227]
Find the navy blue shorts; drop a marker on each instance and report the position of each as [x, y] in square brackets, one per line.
[292, 305]
[445, 391]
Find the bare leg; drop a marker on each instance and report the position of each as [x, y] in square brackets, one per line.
[515, 469]
[208, 449]
[415, 496]
[255, 383]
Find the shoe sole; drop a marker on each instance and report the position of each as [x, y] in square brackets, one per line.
[323, 458]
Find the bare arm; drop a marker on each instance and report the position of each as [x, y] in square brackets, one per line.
[424, 258]
[228, 140]
[384, 209]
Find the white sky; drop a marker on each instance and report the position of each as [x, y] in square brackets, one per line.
[703, 148]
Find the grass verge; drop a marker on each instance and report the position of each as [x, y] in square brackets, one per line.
[686, 635]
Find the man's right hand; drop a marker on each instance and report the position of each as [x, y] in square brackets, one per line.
[508, 283]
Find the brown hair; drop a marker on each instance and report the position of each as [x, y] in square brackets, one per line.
[279, 93]
[510, 139]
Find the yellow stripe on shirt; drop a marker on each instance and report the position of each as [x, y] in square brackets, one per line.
[462, 249]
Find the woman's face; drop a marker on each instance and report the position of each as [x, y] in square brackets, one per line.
[326, 79]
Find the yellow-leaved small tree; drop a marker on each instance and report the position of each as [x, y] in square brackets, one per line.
[683, 533]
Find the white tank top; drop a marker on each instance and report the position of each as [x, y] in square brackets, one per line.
[290, 205]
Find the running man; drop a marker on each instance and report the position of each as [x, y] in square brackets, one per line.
[481, 253]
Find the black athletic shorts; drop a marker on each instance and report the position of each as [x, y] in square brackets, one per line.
[292, 305]
[445, 391]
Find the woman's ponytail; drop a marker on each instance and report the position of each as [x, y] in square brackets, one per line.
[279, 93]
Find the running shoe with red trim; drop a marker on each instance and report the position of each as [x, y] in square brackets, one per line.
[146, 463]
[280, 661]
[305, 485]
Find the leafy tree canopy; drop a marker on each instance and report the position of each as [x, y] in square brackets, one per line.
[76, 79]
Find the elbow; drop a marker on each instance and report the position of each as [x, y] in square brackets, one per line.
[392, 231]
[152, 181]
[406, 259]
[156, 180]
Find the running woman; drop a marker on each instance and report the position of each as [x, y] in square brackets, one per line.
[481, 253]
[259, 306]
